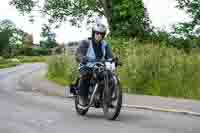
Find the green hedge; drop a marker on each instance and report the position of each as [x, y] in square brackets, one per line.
[34, 52]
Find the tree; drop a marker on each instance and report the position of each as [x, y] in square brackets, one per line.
[7, 29]
[11, 38]
[61, 10]
[130, 18]
[48, 36]
[192, 8]
[120, 14]
[4, 42]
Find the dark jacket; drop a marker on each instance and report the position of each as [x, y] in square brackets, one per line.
[83, 47]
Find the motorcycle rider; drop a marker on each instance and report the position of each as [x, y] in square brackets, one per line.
[91, 50]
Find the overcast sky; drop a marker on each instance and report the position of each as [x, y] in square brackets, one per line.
[162, 14]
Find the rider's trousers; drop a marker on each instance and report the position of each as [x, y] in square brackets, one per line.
[85, 73]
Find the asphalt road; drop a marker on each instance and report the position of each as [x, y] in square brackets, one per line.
[28, 112]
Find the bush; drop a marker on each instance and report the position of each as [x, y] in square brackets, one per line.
[40, 51]
[34, 52]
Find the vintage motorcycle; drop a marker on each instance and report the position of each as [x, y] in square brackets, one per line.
[105, 90]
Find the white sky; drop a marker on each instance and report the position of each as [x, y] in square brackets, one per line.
[162, 14]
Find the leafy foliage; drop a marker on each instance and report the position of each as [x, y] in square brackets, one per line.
[62, 10]
[49, 37]
[127, 18]
[130, 18]
[192, 8]
[10, 38]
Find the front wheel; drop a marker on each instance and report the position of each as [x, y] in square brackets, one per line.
[112, 101]
[79, 110]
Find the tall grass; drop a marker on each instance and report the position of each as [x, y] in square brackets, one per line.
[62, 69]
[147, 69]
[31, 59]
[161, 71]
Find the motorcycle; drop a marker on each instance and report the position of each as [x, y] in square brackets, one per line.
[105, 90]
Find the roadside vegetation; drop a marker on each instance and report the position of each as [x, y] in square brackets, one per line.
[12, 62]
[4, 63]
[161, 71]
[17, 46]
[147, 69]
[155, 61]
[62, 69]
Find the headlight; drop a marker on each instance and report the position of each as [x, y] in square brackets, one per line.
[110, 66]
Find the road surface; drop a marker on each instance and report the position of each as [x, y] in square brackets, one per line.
[23, 111]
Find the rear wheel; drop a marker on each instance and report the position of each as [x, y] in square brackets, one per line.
[112, 101]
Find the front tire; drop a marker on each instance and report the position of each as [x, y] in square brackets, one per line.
[107, 104]
[79, 110]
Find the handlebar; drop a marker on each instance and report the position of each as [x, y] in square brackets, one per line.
[116, 60]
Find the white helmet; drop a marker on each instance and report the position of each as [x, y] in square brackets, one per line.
[99, 27]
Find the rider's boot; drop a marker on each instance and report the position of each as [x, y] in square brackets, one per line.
[83, 100]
